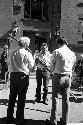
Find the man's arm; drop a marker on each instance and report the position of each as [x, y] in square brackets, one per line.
[31, 62]
[53, 61]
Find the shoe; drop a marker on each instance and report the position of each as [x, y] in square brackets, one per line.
[48, 122]
[45, 102]
[11, 121]
[62, 122]
[37, 100]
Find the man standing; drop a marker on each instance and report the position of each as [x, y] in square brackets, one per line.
[4, 66]
[62, 62]
[42, 73]
[20, 62]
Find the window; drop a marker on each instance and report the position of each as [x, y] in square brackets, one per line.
[36, 9]
[16, 7]
[80, 28]
[80, 4]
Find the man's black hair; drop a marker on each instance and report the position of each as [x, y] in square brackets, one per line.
[44, 44]
[62, 41]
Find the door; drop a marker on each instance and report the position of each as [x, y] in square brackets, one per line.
[38, 42]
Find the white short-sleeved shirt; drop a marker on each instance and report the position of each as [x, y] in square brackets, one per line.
[62, 60]
[45, 58]
[20, 60]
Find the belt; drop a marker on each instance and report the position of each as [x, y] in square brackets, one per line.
[63, 74]
[43, 70]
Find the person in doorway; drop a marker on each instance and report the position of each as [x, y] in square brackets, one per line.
[4, 66]
[20, 62]
[42, 73]
[61, 64]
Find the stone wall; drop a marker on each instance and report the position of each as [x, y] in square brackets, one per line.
[5, 16]
[69, 25]
[5, 20]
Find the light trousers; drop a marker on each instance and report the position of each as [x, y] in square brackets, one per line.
[61, 85]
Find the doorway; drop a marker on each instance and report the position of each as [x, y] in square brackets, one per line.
[38, 41]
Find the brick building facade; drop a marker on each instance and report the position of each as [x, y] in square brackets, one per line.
[14, 10]
[67, 14]
[72, 21]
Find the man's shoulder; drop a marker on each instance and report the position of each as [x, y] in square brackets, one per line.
[48, 53]
[22, 50]
[72, 52]
[56, 51]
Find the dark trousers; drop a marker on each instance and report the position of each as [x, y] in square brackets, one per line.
[18, 86]
[60, 85]
[42, 75]
[3, 71]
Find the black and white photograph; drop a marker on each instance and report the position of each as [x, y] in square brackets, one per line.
[41, 62]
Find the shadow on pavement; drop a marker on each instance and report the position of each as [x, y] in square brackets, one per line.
[3, 120]
[26, 122]
[78, 94]
[79, 100]
[34, 122]
[4, 102]
[29, 101]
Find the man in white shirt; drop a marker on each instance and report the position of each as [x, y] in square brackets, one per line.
[42, 73]
[20, 62]
[61, 65]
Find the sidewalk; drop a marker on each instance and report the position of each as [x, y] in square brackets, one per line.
[36, 114]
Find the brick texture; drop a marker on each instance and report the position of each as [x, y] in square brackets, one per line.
[5, 16]
[70, 22]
